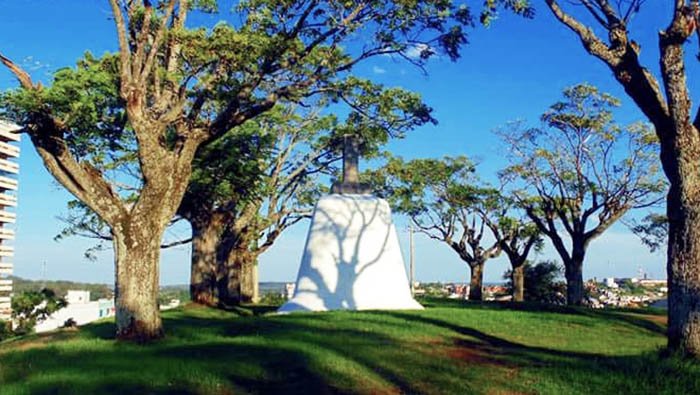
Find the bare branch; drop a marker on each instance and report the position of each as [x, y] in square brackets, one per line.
[22, 76]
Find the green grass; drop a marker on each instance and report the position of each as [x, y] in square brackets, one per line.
[451, 347]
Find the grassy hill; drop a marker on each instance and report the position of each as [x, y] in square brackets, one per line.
[451, 347]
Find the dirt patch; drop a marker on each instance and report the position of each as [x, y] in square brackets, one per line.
[657, 319]
[477, 353]
[474, 356]
[473, 352]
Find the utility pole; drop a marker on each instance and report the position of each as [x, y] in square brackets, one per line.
[43, 275]
[412, 266]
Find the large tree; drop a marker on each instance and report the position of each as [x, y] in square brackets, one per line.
[579, 173]
[259, 179]
[181, 87]
[444, 200]
[668, 106]
[235, 219]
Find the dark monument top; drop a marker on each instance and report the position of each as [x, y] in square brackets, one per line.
[351, 173]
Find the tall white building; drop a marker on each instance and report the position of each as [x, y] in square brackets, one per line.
[9, 152]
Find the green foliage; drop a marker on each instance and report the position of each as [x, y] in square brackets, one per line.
[289, 50]
[129, 119]
[421, 186]
[652, 230]
[31, 306]
[272, 299]
[6, 331]
[490, 11]
[444, 200]
[580, 172]
[581, 157]
[542, 282]
[86, 100]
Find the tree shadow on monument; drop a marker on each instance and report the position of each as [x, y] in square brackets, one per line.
[333, 265]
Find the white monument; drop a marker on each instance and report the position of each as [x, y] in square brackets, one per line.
[352, 259]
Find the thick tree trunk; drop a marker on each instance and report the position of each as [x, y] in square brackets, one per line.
[229, 271]
[206, 235]
[239, 282]
[138, 233]
[136, 288]
[683, 267]
[249, 280]
[476, 283]
[518, 278]
[574, 279]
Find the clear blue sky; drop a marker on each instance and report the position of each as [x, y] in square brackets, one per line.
[513, 70]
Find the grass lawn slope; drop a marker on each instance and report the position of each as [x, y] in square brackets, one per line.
[451, 347]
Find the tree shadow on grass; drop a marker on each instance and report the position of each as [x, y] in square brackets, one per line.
[366, 352]
[290, 354]
[579, 372]
[633, 317]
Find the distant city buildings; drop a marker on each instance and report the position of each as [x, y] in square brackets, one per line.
[610, 283]
[611, 292]
[626, 292]
[9, 134]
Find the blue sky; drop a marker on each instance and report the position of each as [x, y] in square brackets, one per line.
[513, 70]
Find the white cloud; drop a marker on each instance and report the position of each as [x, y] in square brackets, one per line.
[378, 70]
[414, 51]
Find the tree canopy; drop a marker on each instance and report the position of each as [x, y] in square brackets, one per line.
[580, 172]
[444, 200]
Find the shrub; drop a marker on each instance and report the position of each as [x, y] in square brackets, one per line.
[541, 282]
[6, 330]
[70, 323]
[31, 306]
[272, 299]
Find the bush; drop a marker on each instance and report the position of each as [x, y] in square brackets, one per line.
[541, 282]
[70, 323]
[6, 330]
[31, 306]
[272, 299]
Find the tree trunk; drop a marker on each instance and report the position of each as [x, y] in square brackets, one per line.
[683, 265]
[518, 278]
[136, 287]
[476, 283]
[239, 282]
[206, 235]
[574, 277]
[249, 280]
[229, 270]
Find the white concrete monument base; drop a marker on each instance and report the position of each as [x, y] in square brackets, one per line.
[352, 259]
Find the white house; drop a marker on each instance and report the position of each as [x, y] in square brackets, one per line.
[80, 309]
